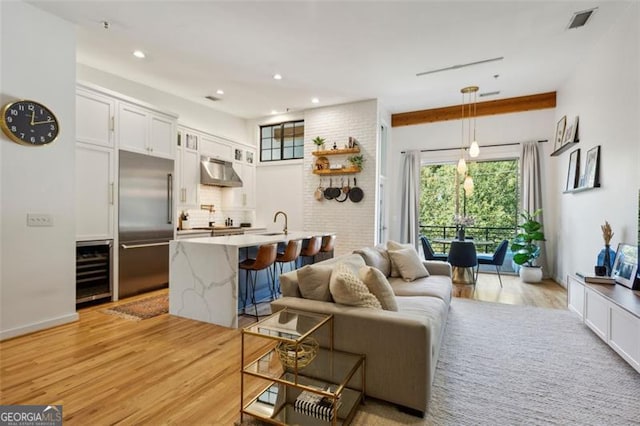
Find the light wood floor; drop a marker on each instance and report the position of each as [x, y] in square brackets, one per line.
[163, 370]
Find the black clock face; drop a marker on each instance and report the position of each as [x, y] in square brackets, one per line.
[29, 123]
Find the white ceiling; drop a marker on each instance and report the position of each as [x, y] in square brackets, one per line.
[338, 51]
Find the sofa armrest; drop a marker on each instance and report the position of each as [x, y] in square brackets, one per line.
[437, 267]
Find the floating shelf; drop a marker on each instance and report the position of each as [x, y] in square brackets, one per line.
[343, 171]
[336, 151]
[581, 189]
[563, 148]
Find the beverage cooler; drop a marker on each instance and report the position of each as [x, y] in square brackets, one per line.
[94, 270]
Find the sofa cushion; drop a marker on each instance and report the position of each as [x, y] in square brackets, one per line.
[435, 286]
[392, 245]
[347, 289]
[313, 282]
[431, 308]
[376, 257]
[377, 284]
[408, 263]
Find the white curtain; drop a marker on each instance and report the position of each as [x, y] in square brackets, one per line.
[410, 201]
[531, 192]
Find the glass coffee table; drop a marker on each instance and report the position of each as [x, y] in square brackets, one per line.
[304, 383]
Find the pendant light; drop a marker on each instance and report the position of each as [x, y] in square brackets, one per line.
[468, 114]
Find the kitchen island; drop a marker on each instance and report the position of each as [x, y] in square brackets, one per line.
[203, 274]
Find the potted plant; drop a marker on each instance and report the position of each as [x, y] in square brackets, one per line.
[525, 250]
[319, 142]
[356, 161]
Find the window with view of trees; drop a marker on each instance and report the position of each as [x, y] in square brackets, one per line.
[493, 204]
[284, 141]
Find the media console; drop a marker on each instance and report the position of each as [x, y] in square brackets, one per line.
[612, 312]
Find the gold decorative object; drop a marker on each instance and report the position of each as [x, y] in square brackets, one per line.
[306, 352]
[607, 233]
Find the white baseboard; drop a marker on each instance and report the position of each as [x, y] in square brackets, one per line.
[37, 326]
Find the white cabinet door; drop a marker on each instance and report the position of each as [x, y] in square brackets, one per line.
[162, 136]
[190, 176]
[211, 147]
[94, 118]
[95, 192]
[575, 296]
[133, 128]
[624, 336]
[596, 314]
[249, 185]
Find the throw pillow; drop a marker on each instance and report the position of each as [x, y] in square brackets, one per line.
[408, 263]
[392, 245]
[347, 289]
[376, 258]
[378, 284]
[313, 282]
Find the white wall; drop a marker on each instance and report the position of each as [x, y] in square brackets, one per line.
[191, 114]
[604, 92]
[491, 130]
[37, 278]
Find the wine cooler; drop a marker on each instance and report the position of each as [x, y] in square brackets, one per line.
[94, 270]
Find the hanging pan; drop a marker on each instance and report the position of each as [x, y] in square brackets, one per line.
[355, 193]
[345, 191]
[319, 194]
[330, 193]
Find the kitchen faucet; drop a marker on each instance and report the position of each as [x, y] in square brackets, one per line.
[285, 220]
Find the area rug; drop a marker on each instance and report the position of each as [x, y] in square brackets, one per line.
[516, 365]
[141, 309]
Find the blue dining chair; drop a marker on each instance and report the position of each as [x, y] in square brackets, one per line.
[463, 260]
[429, 254]
[497, 258]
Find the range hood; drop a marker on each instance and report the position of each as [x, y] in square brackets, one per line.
[218, 173]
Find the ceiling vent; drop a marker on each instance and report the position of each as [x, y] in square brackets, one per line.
[455, 67]
[212, 98]
[579, 19]
[482, 95]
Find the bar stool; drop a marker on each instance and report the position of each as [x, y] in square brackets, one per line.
[290, 254]
[312, 248]
[326, 250]
[463, 259]
[264, 260]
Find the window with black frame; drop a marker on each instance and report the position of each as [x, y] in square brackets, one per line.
[283, 141]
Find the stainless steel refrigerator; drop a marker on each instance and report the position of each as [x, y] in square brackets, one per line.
[145, 222]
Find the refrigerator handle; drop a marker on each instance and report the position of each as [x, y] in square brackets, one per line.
[169, 198]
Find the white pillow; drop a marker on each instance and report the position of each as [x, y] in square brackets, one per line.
[392, 245]
[378, 284]
[348, 289]
[408, 263]
[313, 282]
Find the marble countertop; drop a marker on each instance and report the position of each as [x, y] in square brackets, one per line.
[251, 240]
[204, 231]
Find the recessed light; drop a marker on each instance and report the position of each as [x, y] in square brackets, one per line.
[220, 92]
[139, 54]
[277, 77]
[315, 100]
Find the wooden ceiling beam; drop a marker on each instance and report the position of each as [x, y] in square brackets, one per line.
[500, 106]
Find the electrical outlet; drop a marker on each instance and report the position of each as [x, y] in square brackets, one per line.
[39, 219]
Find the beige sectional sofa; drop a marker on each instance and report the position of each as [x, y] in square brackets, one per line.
[402, 346]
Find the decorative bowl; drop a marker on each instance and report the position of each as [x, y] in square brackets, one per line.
[305, 353]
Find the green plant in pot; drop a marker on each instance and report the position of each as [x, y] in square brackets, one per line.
[356, 161]
[524, 247]
[319, 142]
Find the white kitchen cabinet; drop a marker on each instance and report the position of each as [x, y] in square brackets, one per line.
[95, 115]
[145, 131]
[575, 296]
[242, 198]
[210, 146]
[95, 192]
[187, 170]
[596, 314]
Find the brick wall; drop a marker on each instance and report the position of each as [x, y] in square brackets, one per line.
[354, 223]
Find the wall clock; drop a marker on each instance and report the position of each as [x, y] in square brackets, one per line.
[29, 123]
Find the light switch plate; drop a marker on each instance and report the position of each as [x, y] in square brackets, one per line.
[39, 219]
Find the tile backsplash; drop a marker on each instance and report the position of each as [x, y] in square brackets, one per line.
[199, 218]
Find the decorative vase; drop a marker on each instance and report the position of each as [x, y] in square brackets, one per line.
[461, 233]
[606, 258]
[531, 274]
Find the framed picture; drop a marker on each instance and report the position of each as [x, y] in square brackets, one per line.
[573, 175]
[560, 132]
[191, 141]
[249, 157]
[570, 132]
[238, 155]
[592, 169]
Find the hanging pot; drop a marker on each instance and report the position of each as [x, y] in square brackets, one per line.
[346, 188]
[355, 193]
[319, 194]
[345, 191]
[330, 193]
